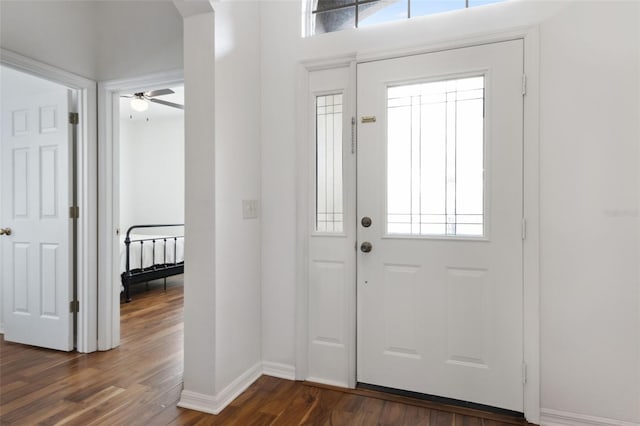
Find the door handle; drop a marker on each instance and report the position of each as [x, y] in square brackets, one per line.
[366, 247]
[5, 231]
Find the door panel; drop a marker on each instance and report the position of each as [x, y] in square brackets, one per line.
[36, 269]
[440, 175]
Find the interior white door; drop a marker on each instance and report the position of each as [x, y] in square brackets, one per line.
[440, 175]
[36, 270]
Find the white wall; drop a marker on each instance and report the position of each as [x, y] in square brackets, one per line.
[151, 172]
[590, 146]
[238, 251]
[100, 40]
[590, 185]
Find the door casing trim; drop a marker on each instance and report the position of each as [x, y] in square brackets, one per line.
[87, 183]
[531, 198]
[108, 249]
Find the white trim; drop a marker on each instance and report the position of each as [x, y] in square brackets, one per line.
[214, 404]
[531, 262]
[108, 119]
[301, 312]
[444, 44]
[199, 402]
[87, 183]
[531, 212]
[328, 382]
[549, 417]
[282, 371]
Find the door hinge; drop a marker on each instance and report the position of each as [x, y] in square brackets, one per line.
[524, 373]
[524, 228]
[74, 118]
[524, 84]
[353, 135]
[74, 212]
[74, 306]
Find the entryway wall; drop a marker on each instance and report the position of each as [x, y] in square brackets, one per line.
[589, 186]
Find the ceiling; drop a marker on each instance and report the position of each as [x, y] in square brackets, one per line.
[155, 111]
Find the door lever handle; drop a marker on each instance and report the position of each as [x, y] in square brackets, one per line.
[5, 231]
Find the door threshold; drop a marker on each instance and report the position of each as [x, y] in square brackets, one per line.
[441, 400]
[431, 402]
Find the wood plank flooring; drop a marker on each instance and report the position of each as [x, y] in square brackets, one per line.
[140, 383]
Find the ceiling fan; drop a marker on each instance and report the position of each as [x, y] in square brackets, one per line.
[140, 100]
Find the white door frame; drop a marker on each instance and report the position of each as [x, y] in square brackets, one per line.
[531, 200]
[86, 340]
[108, 199]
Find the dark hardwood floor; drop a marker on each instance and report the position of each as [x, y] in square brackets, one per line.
[140, 383]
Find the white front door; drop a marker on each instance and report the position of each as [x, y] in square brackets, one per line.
[36, 261]
[440, 176]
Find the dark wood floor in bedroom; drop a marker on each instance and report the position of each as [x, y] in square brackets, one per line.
[140, 383]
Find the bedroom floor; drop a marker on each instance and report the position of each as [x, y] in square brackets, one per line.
[140, 383]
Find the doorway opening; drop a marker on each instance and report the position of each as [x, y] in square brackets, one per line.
[143, 186]
[151, 200]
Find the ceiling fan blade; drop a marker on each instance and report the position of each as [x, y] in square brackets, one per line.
[126, 96]
[160, 92]
[171, 104]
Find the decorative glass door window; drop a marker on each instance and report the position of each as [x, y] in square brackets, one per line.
[329, 202]
[435, 158]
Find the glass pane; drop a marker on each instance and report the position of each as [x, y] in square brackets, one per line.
[335, 20]
[435, 158]
[323, 5]
[382, 11]
[329, 204]
[335, 15]
[430, 7]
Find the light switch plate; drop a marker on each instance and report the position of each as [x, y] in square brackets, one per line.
[249, 209]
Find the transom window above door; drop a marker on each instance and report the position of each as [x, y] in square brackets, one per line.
[326, 16]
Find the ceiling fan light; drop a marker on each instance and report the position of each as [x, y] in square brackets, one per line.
[139, 104]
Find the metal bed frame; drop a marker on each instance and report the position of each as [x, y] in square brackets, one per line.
[162, 269]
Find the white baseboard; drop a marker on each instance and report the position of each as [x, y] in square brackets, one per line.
[282, 371]
[327, 382]
[549, 417]
[214, 404]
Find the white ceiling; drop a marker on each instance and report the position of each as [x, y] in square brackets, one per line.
[155, 111]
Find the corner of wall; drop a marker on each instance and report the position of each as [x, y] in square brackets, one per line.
[282, 371]
[214, 404]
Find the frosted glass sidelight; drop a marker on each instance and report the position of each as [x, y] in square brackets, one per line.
[329, 201]
[435, 158]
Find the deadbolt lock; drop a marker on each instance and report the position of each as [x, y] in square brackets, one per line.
[366, 221]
